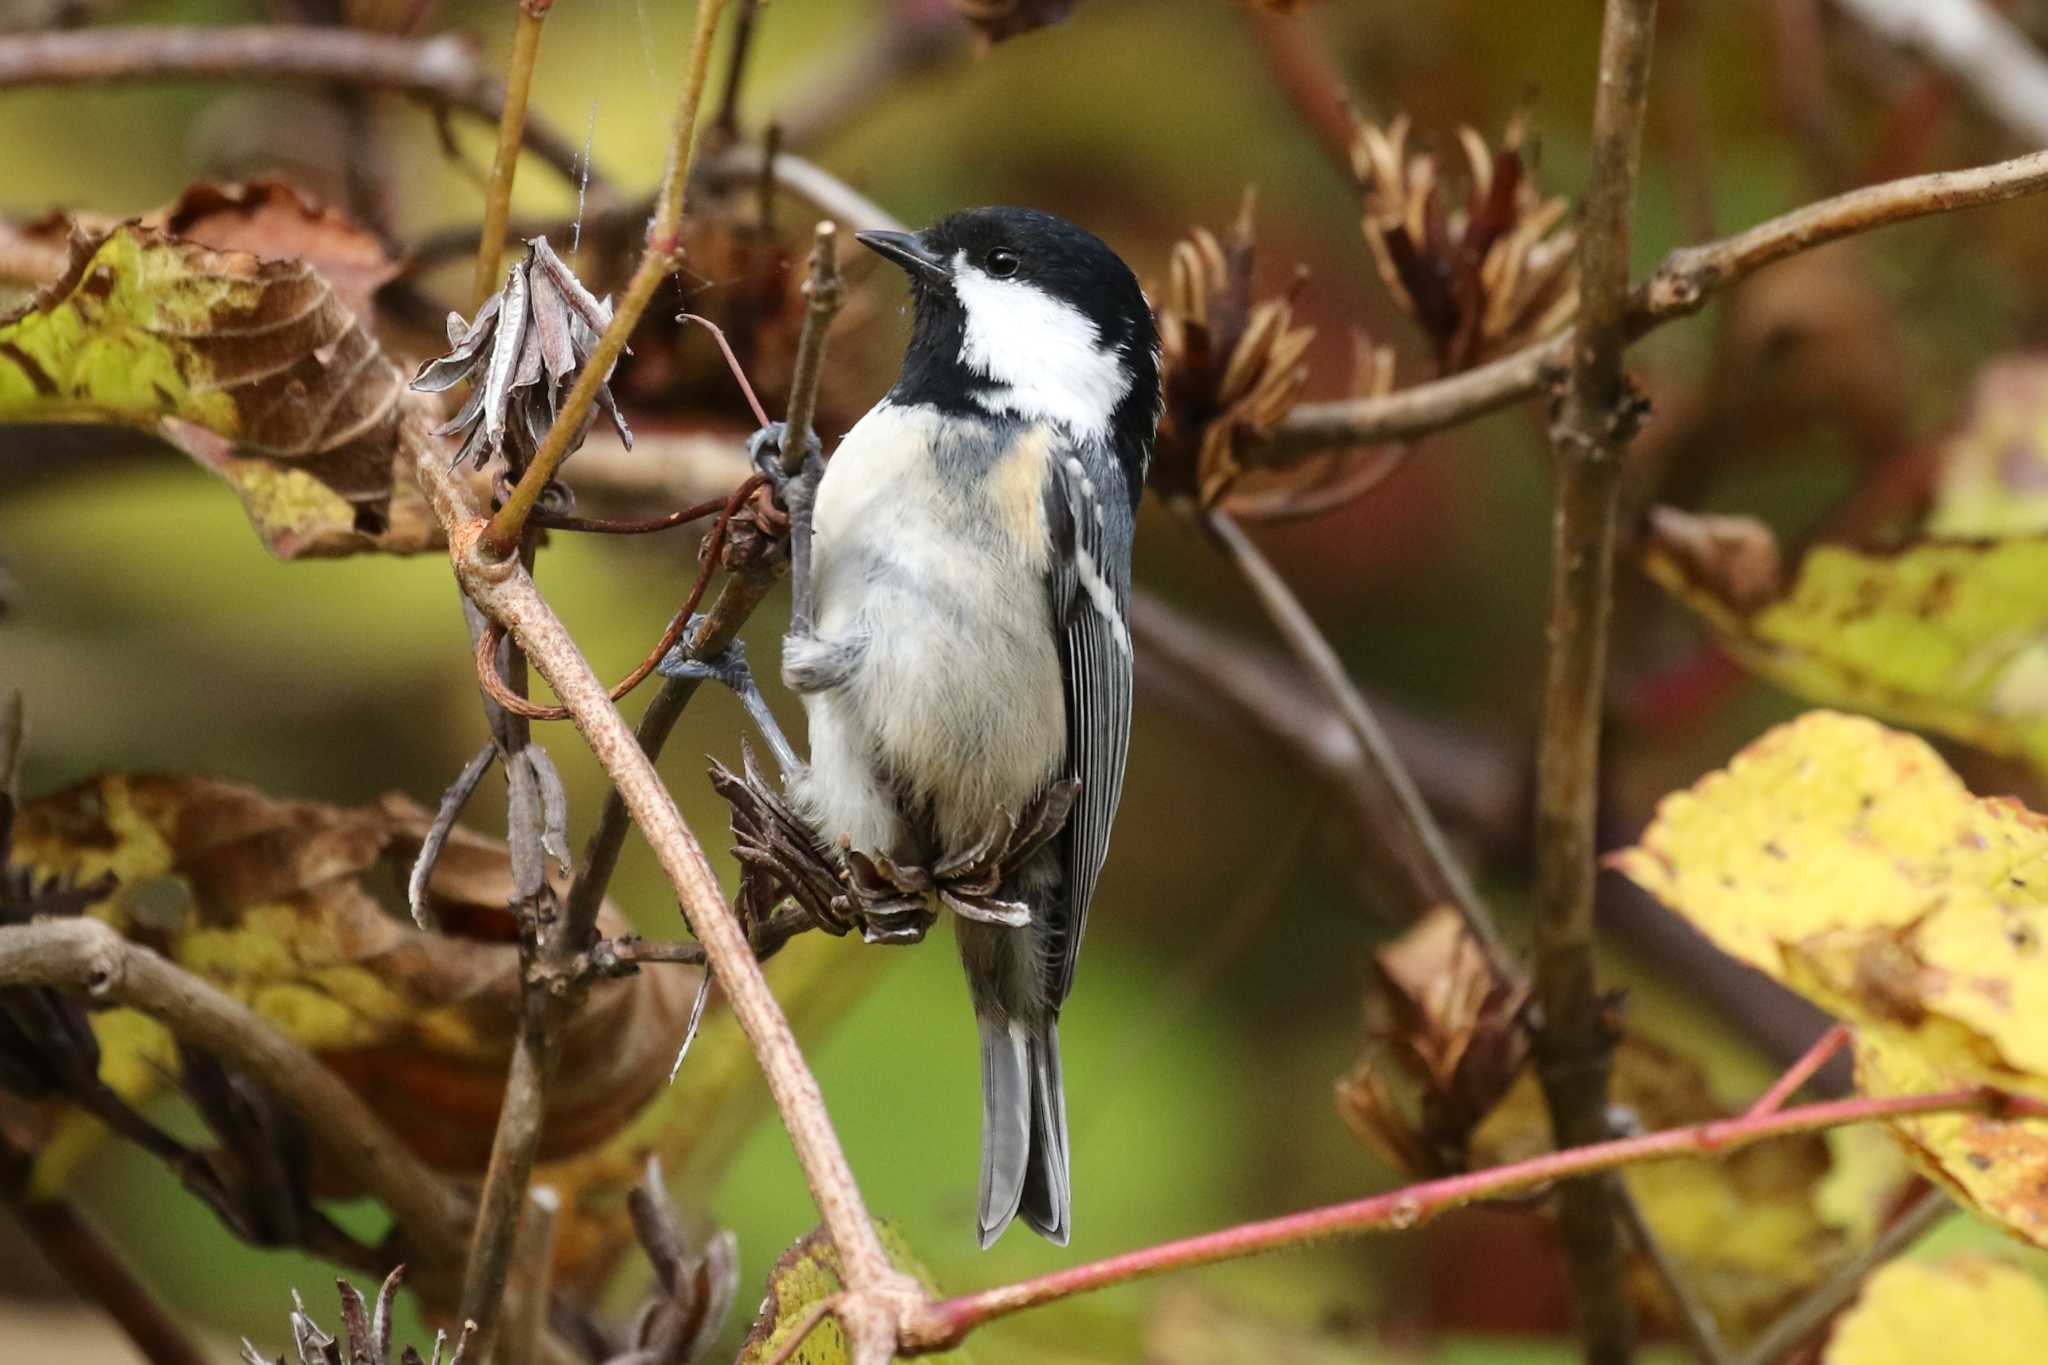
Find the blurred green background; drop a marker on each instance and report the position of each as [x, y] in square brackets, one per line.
[1221, 991]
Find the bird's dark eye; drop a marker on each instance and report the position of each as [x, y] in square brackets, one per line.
[1002, 262]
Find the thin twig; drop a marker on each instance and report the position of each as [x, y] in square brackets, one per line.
[1801, 1071]
[536, 1047]
[1679, 287]
[1695, 1319]
[519, 66]
[1405, 825]
[823, 295]
[1596, 417]
[1241, 689]
[881, 1295]
[948, 1322]
[526, 1332]
[88, 956]
[442, 69]
[664, 243]
[728, 121]
[487, 643]
[1811, 1313]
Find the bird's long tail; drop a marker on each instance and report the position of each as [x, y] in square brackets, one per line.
[1023, 1129]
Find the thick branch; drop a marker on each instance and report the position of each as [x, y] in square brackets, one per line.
[1679, 288]
[1591, 430]
[87, 956]
[442, 69]
[947, 1323]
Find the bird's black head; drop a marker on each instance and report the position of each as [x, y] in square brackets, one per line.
[1019, 312]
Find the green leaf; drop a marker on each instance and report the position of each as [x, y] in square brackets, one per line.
[1944, 635]
[808, 1274]
[253, 367]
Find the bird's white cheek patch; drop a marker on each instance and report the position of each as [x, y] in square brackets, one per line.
[1045, 355]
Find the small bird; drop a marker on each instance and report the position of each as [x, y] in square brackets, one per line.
[961, 642]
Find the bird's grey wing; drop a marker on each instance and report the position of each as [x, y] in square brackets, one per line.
[1091, 523]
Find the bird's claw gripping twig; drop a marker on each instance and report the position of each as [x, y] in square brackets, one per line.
[889, 901]
[729, 666]
[764, 452]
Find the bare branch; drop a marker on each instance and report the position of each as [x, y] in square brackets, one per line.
[443, 69]
[664, 244]
[1679, 288]
[1404, 824]
[88, 956]
[1595, 419]
[503, 590]
[519, 67]
[948, 1322]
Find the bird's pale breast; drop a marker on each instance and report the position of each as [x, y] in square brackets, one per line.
[931, 542]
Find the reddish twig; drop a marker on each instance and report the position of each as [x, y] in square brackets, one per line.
[1801, 1071]
[732, 362]
[487, 642]
[949, 1321]
[607, 527]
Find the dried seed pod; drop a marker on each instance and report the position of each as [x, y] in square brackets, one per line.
[1481, 279]
[1232, 366]
[521, 352]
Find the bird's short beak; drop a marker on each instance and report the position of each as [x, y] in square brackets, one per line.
[908, 250]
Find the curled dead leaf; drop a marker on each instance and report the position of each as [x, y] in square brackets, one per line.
[1457, 1035]
[297, 909]
[278, 221]
[254, 366]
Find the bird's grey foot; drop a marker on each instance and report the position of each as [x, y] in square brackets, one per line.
[729, 666]
[891, 900]
[780, 856]
[798, 494]
[967, 882]
[764, 451]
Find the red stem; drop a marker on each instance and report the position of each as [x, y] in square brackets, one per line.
[1800, 1072]
[952, 1319]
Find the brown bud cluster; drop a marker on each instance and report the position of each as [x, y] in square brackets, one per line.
[1233, 366]
[1479, 280]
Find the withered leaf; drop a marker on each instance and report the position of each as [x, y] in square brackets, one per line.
[297, 909]
[1456, 1033]
[278, 221]
[254, 367]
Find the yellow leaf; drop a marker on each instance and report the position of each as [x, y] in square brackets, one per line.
[807, 1274]
[1969, 1308]
[1847, 861]
[1994, 469]
[1946, 635]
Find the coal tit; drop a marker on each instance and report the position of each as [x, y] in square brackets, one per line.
[963, 646]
